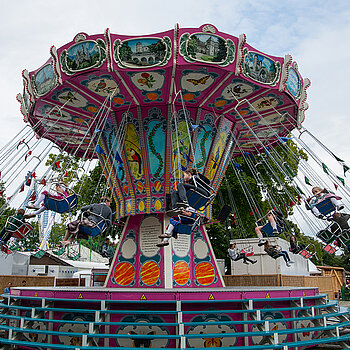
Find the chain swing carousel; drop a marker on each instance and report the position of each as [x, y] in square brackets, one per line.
[148, 107]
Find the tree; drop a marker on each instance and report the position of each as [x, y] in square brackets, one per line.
[262, 185]
[222, 51]
[31, 241]
[192, 47]
[64, 165]
[125, 52]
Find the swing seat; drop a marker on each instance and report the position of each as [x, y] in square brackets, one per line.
[61, 205]
[97, 229]
[17, 228]
[326, 236]
[275, 254]
[5, 249]
[196, 199]
[344, 238]
[248, 251]
[329, 249]
[188, 227]
[184, 229]
[305, 252]
[224, 213]
[94, 231]
[326, 207]
[268, 230]
[199, 196]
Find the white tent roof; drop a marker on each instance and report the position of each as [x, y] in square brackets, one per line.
[86, 255]
[313, 268]
[86, 264]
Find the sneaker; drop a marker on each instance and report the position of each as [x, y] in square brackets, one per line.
[288, 264]
[162, 244]
[261, 242]
[165, 235]
[340, 207]
[320, 216]
[29, 216]
[254, 261]
[291, 262]
[32, 206]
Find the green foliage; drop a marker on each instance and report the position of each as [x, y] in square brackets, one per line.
[31, 240]
[7, 211]
[222, 51]
[92, 186]
[263, 181]
[125, 52]
[64, 165]
[192, 47]
[157, 47]
[58, 232]
[261, 184]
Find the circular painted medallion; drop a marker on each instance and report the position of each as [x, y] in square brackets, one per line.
[124, 274]
[181, 273]
[149, 273]
[205, 273]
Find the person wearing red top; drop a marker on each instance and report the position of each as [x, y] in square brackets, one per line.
[61, 193]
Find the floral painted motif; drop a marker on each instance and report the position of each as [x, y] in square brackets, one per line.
[206, 325]
[146, 79]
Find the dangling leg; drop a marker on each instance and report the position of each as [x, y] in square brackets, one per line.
[39, 200]
[317, 212]
[336, 203]
[260, 235]
[71, 231]
[272, 222]
[250, 260]
[285, 256]
[42, 208]
[174, 199]
[181, 188]
[36, 204]
[166, 236]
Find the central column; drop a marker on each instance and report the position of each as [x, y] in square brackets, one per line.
[187, 261]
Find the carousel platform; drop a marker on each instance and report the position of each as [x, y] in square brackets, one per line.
[244, 317]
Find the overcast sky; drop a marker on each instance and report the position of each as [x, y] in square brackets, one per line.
[315, 33]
